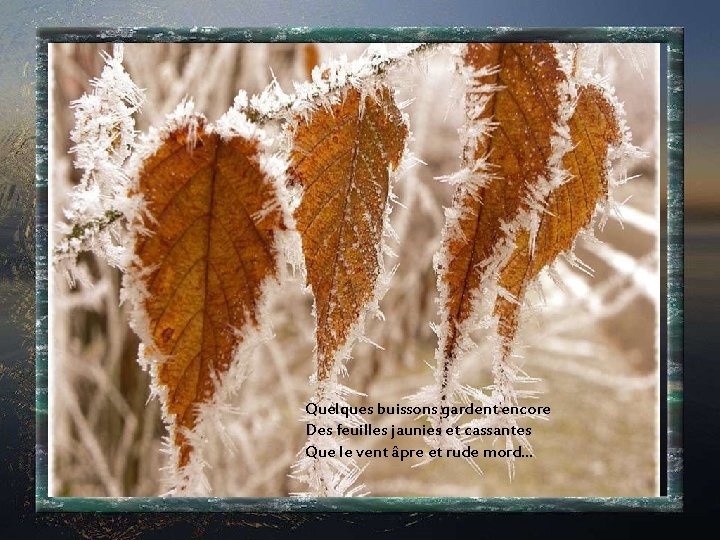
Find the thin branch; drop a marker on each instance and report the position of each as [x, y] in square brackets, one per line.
[82, 234]
[272, 105]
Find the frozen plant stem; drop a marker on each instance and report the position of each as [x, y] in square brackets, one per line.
[104, 137]
[325, 83]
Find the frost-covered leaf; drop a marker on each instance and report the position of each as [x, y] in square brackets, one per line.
[342, 159]
[537, 157]
[594, 129]
[512, 105]
[212, 213]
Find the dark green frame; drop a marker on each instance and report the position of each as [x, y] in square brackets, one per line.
[671, 37]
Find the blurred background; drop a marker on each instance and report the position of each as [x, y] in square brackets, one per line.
[593, 343]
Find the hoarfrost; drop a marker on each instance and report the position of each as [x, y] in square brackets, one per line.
[104, 137]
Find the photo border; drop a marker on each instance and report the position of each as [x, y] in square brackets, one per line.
[672, 37]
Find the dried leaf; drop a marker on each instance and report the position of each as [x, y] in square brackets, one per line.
[342, 159]
[212, 213]
[594, 129]
[514, 91]
[310, 58]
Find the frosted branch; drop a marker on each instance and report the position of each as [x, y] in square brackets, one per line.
[330, 80]
[104, 135]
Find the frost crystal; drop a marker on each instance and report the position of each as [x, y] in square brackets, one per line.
[104, 136]
[328, 476]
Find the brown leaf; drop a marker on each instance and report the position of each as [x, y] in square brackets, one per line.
[311, 58]
[516, 152]
[341, 157]
[212, 213]
[593, 129]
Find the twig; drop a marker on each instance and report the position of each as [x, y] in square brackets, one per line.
[314, 92]
[82, 233]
